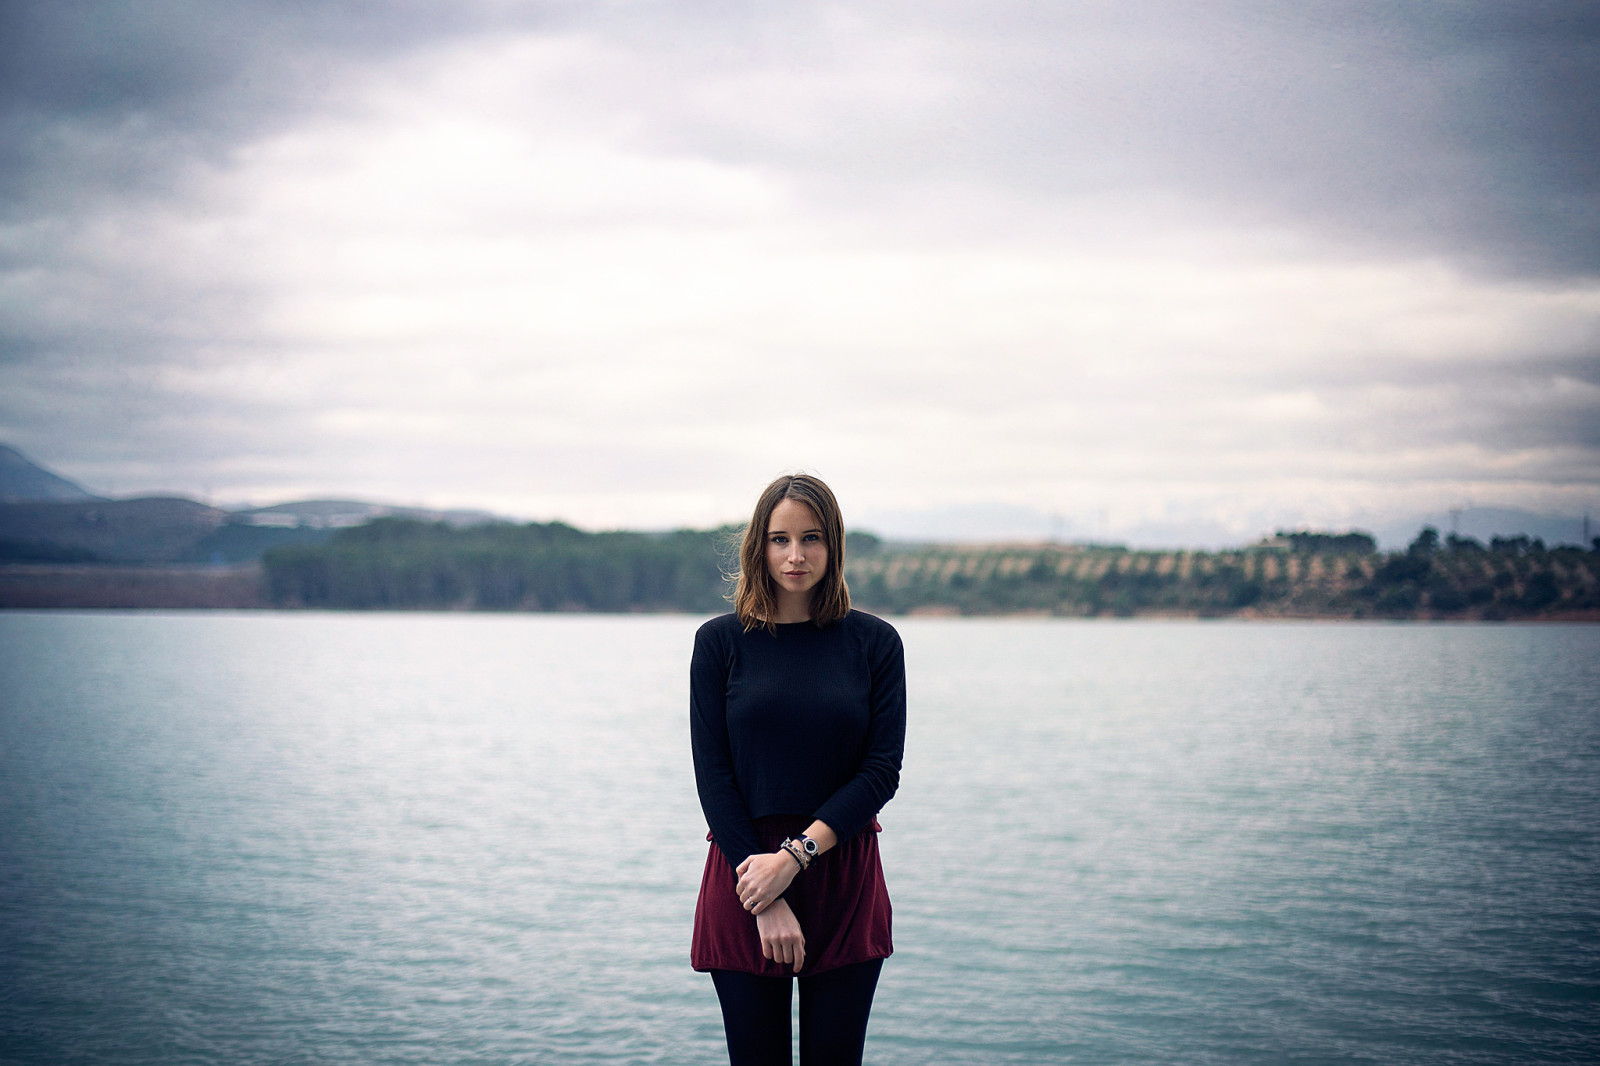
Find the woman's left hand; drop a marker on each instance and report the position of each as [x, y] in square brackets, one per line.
[762, 879]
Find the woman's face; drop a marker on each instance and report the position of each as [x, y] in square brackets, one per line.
[797, 556]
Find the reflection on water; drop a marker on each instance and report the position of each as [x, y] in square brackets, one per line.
[444, 838]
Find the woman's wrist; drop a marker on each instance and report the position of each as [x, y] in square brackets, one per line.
[801, 849]
[823, 835]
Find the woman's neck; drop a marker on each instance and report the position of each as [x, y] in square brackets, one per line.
[792, 608]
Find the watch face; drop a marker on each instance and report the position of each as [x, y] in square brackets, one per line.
[809, 844]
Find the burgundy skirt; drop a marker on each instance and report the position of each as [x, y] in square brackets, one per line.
[841, 903]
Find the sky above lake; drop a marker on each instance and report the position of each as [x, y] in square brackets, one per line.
[1209, 266]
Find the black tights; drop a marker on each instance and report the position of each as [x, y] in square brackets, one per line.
[834, 1006]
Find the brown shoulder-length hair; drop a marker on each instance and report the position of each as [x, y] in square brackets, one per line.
[754, 598]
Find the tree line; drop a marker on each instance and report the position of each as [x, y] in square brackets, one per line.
[1311, 575]
[395, 563]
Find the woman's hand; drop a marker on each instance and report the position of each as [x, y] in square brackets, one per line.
[781, 939]
[762, 879]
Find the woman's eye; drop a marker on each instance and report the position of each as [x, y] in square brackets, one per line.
[812, 536]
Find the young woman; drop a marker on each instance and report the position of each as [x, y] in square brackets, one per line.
[797, 717]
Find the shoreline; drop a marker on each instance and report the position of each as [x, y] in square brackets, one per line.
[241, 587]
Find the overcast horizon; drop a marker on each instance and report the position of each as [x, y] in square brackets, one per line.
[1224, 267]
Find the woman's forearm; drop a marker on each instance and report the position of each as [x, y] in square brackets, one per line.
[763, 878]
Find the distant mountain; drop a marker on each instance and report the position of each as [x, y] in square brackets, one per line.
[996, 523]
[44, 518]
[23, 481]
[1485, 523]
[999, 523]
[154, 530]
[341, 514]
[965, 523]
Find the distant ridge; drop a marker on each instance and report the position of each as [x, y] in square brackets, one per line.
[244, 533]
[1486, 523]
[1000, 523]
[23, 481]
[148, 530]
[46, 519]
[341, 514]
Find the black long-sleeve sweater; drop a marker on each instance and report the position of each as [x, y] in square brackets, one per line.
[810, 720]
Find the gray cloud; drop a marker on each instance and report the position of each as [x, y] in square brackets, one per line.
[1467, 130]
[122, 98]
[918, 145]
[1464, 131]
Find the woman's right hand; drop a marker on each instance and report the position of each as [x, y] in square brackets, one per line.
[781, 939]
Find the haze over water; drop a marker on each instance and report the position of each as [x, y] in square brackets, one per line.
[474, 839]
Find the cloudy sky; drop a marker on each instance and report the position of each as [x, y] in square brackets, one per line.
[1177, 264]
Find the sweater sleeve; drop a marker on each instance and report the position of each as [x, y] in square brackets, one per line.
[724, 805]
[853, 805]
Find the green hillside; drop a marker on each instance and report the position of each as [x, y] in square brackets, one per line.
[1514, 578]
[403, 564]
[399, 564]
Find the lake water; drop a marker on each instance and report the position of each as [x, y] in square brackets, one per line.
[353, 838]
